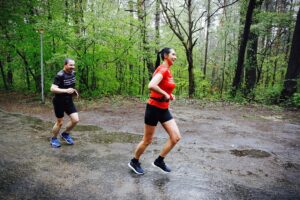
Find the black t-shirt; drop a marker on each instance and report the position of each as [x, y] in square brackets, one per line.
[64, 81]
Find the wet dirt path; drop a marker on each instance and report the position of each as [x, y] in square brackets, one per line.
[227, 152]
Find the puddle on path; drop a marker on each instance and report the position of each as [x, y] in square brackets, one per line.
[253, 153]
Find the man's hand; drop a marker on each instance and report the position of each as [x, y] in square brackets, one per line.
[70, 90]
[76, 93]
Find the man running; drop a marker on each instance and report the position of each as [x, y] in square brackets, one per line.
[63, 88]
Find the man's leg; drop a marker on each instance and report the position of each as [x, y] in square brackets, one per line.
[57, 126]
[55, 143]
[74, 119]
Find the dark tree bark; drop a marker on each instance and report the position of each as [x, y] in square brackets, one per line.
[9, 77]
[239, 68]
[251, 64]
[27, 68]
[293, 70]
[66, 11]
[3, 75]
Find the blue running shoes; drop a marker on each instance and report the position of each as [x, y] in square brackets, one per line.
[136, 167]
[55, 143]
[67, 138]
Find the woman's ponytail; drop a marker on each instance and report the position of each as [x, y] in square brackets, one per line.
[161, 55]
[157, 63]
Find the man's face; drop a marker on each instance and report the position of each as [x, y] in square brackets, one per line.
[69, 68]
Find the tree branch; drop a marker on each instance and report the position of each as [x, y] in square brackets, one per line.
[224, 6]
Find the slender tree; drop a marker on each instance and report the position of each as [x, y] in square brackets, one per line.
[206, 37]
[293, 70]
[185, 35]
[142, 16]
[223, 21]
[251, 58]
[3, 75]
[157, 25]
[239, 68]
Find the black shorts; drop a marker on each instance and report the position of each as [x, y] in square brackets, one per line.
[62, 105]
[153, 115]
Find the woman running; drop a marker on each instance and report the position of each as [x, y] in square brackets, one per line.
[161, 86]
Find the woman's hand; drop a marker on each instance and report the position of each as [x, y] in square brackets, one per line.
[167, 97]
[172, 97]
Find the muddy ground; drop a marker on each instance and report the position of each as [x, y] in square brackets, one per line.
[227, 151]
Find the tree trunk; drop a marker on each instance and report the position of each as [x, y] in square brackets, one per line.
[157, 23]
[50, 18]
[130, 65]
[251, 64]
[206, 37]
[10, 77]
[266, 45]
[277, 51]
[274, 72]
[293, 70]
[189, 55]
[9, 71]
[27, 77]
[93, 85]
[144, 35]
[239, 68]
[225, 51]
[288, 35]
[80, 30]
[66, 12]
[185, 36]
[3, 75]
[190, 46]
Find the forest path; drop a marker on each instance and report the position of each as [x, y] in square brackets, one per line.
[227, 152]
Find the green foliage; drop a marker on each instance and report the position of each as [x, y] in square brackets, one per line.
[107, 45]
[268, 20]
[296, 100]
[269, 95]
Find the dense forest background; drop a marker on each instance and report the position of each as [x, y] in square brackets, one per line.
[245, 50]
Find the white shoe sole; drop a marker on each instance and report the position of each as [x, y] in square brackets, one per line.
[134, 170]
[159, 168]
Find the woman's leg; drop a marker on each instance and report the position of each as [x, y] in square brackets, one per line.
[174, 136]
[147, 139]
[134, 164]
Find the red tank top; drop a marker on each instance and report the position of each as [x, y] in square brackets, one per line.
[167, 84]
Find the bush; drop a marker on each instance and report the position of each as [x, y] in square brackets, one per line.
[268, 95]
[295, 100]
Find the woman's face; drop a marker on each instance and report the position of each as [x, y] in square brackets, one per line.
[171, 57]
